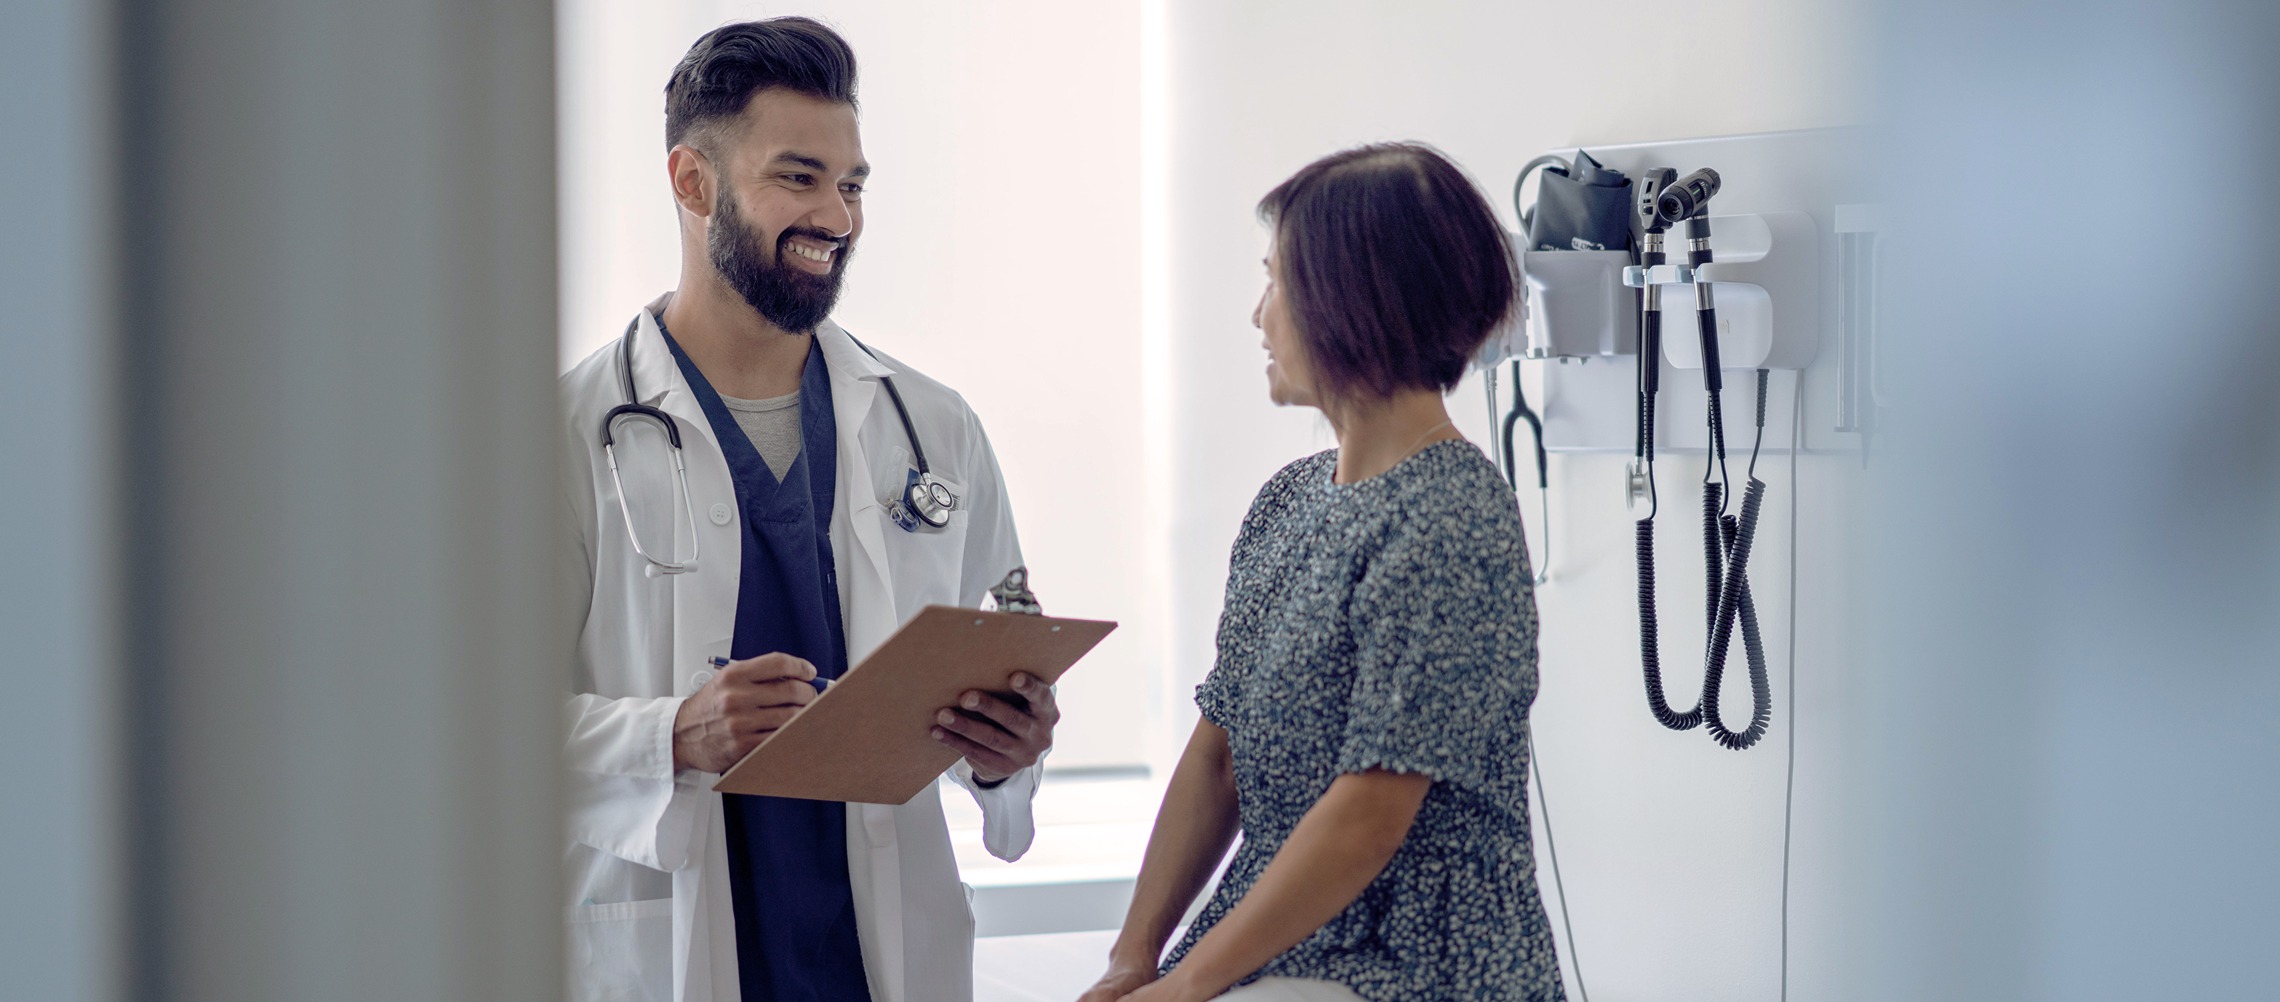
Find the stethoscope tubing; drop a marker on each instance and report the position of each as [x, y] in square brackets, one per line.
[688, 507]
[633, 407]
[925, 500]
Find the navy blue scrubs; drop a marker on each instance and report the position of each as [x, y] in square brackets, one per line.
[787, 859]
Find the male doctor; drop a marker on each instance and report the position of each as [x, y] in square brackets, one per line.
[796, 554]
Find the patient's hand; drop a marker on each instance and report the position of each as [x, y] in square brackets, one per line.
[1120, 981]
[1171, 989]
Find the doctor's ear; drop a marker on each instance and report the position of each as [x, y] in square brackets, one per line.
[693, 179]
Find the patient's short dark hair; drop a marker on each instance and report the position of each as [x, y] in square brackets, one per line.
[1393, 267]
[731, 63]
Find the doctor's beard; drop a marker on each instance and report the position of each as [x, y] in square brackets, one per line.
[793, 300]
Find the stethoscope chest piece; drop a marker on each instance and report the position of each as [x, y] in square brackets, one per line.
[925, 501]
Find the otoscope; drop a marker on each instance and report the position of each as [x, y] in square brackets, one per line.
[1650, 222]
[1689, 199]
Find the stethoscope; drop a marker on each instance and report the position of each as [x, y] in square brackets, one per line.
[925, 502]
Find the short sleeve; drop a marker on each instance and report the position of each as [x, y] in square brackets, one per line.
[1444, 650]
[1215, 698]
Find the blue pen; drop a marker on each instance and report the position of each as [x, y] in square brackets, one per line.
[821, 683]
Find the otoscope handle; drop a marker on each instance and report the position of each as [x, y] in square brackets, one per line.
[1650, 351]
[1650, 318]
[1705, 307]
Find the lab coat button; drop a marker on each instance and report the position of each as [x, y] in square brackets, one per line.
[721, 514]
[698, 680]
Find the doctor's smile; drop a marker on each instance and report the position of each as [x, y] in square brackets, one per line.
[809, 250]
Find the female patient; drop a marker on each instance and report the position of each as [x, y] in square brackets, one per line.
[1364, 725]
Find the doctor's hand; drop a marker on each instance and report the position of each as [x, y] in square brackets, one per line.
[738, 709]
[1001, 736]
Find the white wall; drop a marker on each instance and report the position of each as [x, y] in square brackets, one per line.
[1671, 846]
[1001, 254]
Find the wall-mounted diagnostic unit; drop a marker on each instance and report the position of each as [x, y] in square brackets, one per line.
[1657, 276]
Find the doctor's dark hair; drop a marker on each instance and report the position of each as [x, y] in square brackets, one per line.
[719, 75]
[1392, 265]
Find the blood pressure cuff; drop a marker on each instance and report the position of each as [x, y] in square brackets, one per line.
[1583, 207]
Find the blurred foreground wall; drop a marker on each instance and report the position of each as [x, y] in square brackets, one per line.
[2069, 718]
[277, 520]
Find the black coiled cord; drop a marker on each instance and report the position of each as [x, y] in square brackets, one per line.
[1714, 547]
[1726, 542]
[1733, 601]
[1650, 633]
[1650, 654]
[1729, 594]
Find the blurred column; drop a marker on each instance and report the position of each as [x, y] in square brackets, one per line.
[279, 516]
[59, 504]
[2071, 705]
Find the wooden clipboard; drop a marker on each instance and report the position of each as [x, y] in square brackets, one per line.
[867, 738]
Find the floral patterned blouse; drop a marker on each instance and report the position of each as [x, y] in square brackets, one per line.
[1390, 624]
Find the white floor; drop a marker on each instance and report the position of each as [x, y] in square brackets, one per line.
[1049, 968]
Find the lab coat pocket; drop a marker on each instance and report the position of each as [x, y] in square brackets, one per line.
[928, 561]
[622, 952]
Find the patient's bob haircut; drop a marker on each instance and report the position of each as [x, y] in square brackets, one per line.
[1393, 267]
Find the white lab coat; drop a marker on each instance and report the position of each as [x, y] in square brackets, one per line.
[650, 915]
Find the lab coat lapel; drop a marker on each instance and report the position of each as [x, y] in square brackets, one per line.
[655, 375]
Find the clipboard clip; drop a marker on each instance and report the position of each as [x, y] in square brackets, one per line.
[1013, 594]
